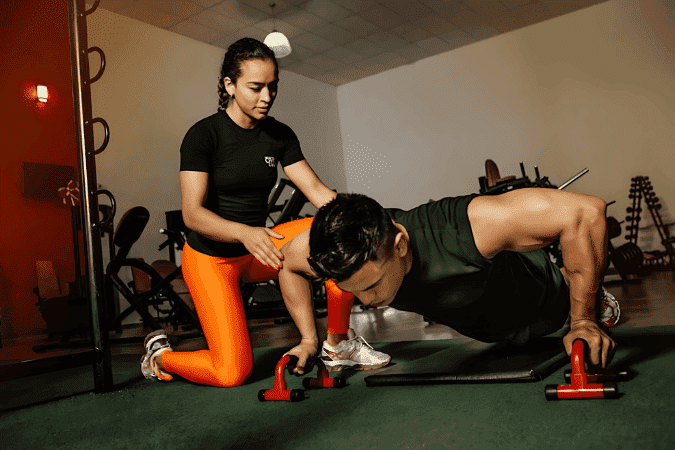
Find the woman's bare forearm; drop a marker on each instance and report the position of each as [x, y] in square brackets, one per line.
[212, 226]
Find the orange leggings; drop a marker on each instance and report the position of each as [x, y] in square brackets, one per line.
[214, 285]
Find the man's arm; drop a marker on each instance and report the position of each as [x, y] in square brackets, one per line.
[296, 289]
[528, 219]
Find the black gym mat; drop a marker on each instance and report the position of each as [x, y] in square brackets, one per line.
[470, 361]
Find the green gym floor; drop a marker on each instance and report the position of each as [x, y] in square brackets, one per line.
[60, 410]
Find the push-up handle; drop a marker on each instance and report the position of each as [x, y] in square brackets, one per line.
[280, 392]
[597, 375]
[323, 380]
[579, 387]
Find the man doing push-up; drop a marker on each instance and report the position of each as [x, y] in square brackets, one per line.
[474, 263]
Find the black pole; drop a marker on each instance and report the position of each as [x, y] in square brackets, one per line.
[88, 191]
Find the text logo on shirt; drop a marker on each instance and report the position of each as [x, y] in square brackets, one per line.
[270, 161]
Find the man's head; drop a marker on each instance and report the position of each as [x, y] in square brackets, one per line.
[354, 242]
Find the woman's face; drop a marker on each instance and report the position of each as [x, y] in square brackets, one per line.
[255, 90]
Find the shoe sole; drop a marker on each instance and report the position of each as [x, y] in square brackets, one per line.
[338, 366]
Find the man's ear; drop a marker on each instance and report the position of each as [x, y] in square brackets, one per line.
[401, 244]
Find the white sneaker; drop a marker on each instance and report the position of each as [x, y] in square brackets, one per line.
[355, 353]
[155, 344]
[609, 311]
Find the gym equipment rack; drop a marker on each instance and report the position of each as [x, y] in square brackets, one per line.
[641, 188]
[93, 287]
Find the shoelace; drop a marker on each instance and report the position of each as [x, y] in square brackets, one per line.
[356, 343]
[362, 341]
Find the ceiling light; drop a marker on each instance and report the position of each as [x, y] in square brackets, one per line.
[277, 41]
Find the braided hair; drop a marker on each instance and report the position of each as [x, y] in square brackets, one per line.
[241, 51]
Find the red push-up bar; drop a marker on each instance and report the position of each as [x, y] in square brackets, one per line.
[581, 386]
[323, 380]
[295, 395]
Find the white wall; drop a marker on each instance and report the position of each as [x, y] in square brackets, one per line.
[156, 85]
[593, 89]
[589, 89]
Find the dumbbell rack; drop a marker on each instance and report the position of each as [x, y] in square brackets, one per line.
[634, 219]
[627, 258]
[655, 260]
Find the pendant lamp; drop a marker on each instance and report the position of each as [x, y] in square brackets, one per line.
[277, 41]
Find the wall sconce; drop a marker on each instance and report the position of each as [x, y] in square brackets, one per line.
[42, 93]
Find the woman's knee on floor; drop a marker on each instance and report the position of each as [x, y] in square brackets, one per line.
[232, 375]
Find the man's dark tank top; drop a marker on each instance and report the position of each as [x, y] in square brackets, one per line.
[510, 297]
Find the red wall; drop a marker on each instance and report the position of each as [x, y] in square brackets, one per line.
[34, 49]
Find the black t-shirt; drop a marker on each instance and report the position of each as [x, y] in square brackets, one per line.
[242, 168]
[510, 297]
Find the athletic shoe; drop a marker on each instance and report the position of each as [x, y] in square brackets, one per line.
[355, 353]
[609, 309]
[155, 344]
